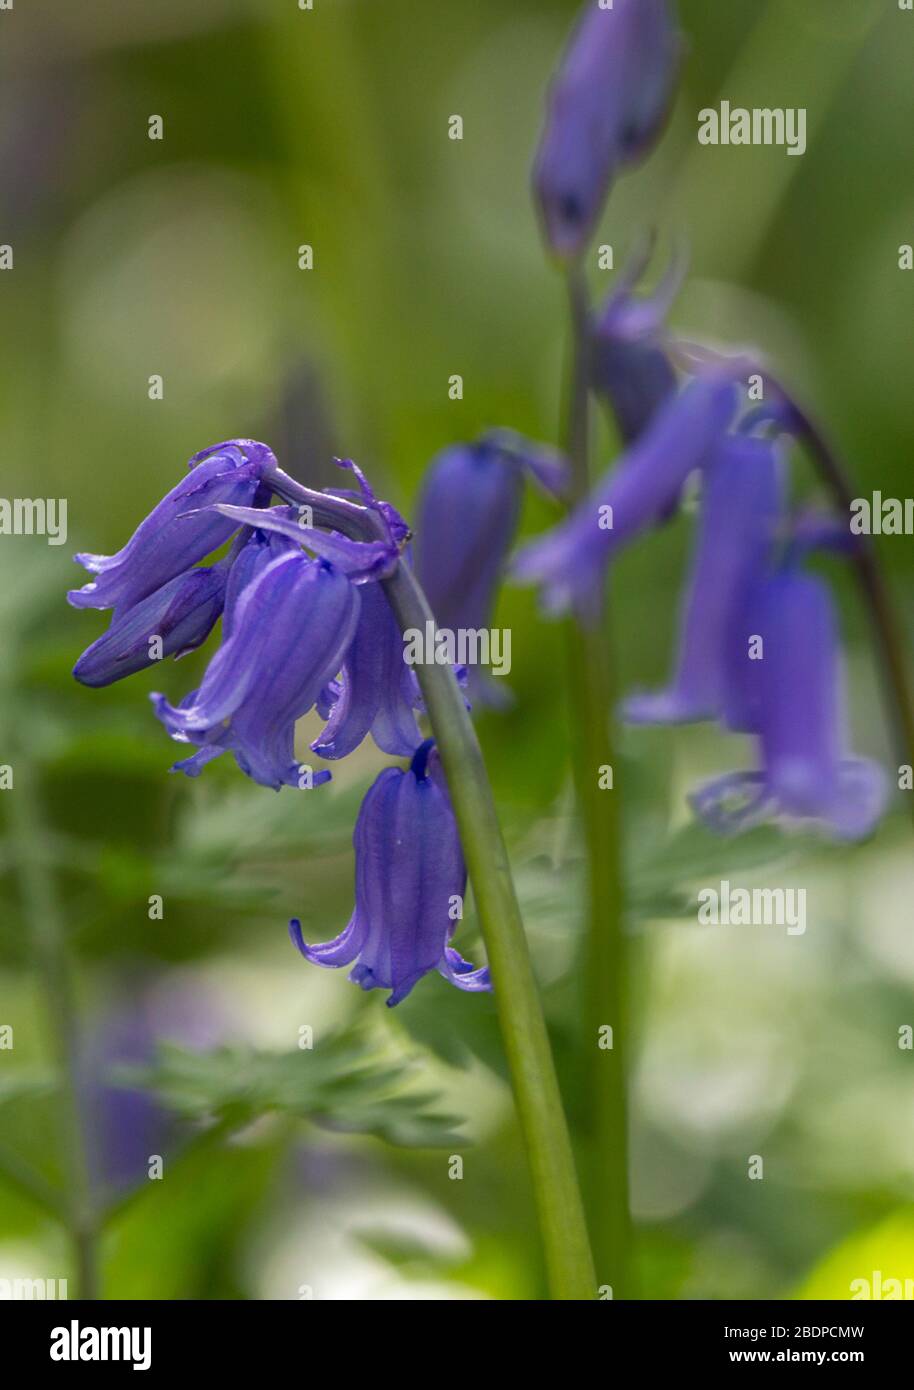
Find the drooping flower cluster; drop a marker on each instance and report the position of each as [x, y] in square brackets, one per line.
[305, 625]
[758, 647]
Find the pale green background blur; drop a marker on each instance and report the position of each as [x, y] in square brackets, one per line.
[180, 257]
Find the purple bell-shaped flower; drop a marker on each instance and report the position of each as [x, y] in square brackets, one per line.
[410, 880]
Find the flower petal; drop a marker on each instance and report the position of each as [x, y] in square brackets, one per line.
[169, 541]
[181, 614]
[360, 561]
[741, 508]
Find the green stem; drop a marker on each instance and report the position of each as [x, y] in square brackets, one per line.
[536, 1090]
[592, 698]
[43, 913]
[523, 1027]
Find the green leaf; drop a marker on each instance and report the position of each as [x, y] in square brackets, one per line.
[695, 853]
[343, 1083]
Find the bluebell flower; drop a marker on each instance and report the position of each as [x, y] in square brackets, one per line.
[466, 521]
[742, 499]
[286, 635]
[376, 693]
[570, 562]
[607, 105]
[181, 614]
[630, 366]
[806, 774]
[181, 530]
[410, 880]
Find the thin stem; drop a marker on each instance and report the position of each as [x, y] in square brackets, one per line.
[42, 910]
[523, 1027]
[592, 699]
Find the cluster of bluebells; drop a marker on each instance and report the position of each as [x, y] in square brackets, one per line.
[306, 625]
[759, 649]
[299, 585]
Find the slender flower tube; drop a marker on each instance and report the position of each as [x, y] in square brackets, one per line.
[570, 562]
[410, 882]
[169, 541]
[377, 693]
[287, 637]
[181, 614]
[630, 366]
[467, 519]
[741, 508]
[806, 773]
[607, 105]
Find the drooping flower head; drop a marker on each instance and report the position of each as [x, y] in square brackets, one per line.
[570, 562]
[789, 633]
[740, 511]
[289, 643]
[607, 105]
[410, 880]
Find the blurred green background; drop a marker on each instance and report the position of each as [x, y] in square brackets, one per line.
[179, 257]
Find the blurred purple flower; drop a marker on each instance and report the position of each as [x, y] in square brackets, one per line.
[467, 517]
[741, 508]
[126, 1124]
[629, 363]
[570, 561]
[169, 541]
[286, 636]
[410, 877]
[607, 105]
[806, 773]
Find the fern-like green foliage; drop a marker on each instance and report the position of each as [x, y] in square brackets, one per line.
[343, 1083]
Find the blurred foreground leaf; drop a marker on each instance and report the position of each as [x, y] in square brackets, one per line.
[342, 1084]
[877, 1263]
